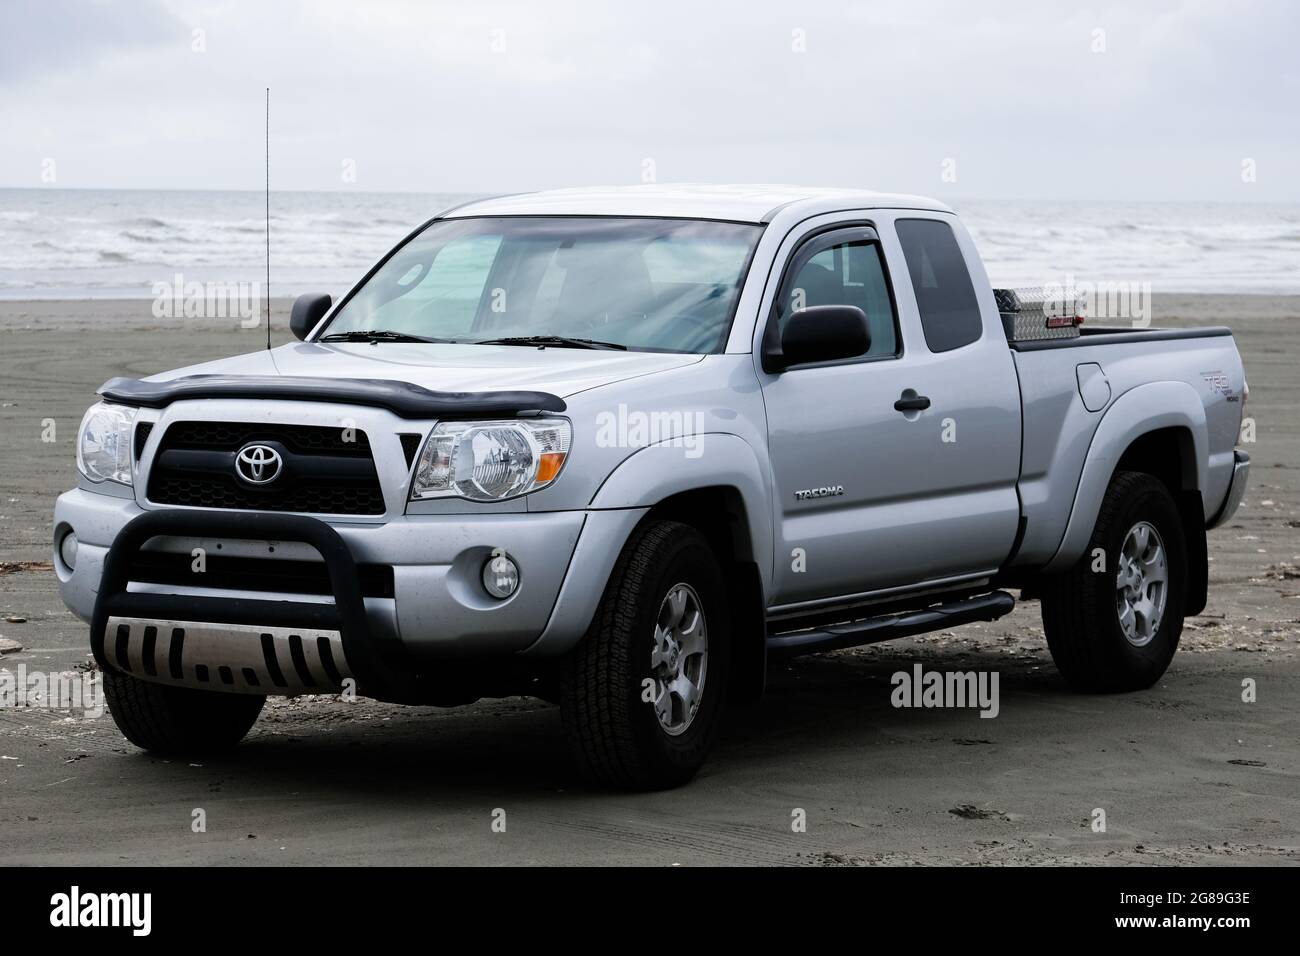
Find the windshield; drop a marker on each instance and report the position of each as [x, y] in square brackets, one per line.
[645, 284]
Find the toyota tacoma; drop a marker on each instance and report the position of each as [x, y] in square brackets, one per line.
[619, 448]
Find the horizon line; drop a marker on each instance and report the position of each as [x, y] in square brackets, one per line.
[474, 194]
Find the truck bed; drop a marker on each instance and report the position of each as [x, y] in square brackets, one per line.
[1084, 400]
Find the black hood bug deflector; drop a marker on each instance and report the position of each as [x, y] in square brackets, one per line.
[401, 398]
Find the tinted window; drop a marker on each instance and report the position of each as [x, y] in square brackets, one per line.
[849, 273]
[945, 296]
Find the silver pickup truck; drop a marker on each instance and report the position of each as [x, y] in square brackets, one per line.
[618, 448]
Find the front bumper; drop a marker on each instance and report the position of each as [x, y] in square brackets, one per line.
[438, 610]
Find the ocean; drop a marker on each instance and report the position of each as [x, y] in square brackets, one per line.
[113, 244]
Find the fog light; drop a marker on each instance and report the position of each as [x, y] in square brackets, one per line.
[68, 550]
[500, 576]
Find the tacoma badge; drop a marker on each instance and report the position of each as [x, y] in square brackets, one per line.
[829, 491]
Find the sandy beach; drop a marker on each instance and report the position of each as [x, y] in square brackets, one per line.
[1187, 772]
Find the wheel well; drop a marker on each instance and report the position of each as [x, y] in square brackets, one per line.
[719, 513]
[1169, 454]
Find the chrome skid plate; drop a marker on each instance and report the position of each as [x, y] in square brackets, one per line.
[238, 658]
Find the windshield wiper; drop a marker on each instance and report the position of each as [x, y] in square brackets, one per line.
[376, 335]
[559, 341]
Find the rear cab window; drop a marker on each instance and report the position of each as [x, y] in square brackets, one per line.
[945, 295]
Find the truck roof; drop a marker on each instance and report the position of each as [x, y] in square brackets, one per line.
[736, 203]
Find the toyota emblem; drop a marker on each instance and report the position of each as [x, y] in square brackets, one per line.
[258, 464]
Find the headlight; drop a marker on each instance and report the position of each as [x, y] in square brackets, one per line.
[104, 443]
[491, 461]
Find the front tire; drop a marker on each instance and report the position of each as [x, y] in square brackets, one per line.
[177, 721]
[643, 692]
[1113, 620]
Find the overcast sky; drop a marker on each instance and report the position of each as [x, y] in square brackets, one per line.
[1143, 99]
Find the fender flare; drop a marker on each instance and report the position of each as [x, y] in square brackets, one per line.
[642, 480]
[659, 471]
[1142, 409]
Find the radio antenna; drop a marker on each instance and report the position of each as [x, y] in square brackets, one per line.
[268, 218]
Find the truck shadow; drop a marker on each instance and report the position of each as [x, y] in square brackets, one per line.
[818, 710]
[846, 700]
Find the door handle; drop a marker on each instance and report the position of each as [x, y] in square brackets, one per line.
[911, 402]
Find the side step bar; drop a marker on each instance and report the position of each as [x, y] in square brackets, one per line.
[981, 607]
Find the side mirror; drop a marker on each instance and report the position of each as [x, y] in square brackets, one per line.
[307, 311]
[820, 333]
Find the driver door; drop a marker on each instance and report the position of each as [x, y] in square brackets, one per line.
[869, 493]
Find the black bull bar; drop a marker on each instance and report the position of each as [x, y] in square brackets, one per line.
[378, 662]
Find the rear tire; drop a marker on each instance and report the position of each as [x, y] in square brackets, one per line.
[1114, 625]
[663, 619]
[178, 721]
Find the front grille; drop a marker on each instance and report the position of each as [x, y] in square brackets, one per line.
[233, 573]
[327, 470]
[304, 439]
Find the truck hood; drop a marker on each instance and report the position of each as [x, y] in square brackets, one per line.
[448, 368]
